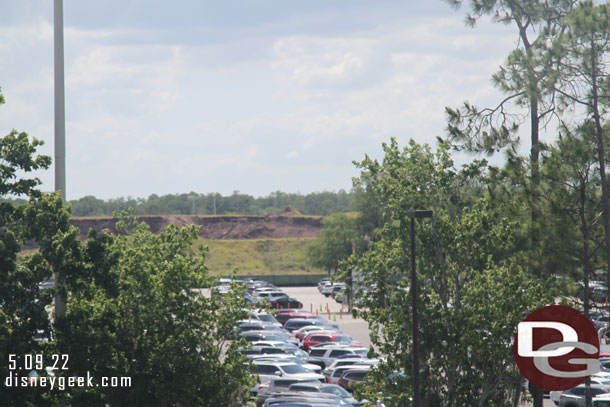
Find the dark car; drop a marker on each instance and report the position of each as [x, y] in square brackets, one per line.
[284, 315]
[284, 302]
[297, 323]
[350, 377]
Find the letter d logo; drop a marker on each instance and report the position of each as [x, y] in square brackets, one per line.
[525, 333]
[556, 348]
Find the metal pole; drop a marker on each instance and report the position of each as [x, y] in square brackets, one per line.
[60, 127]
[415, 325]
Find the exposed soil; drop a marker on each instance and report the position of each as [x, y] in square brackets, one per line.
[287, 224]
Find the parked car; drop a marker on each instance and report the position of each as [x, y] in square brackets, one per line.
[575, 397]
[259, 326]
[284, 302]
[284, 315]
[352, 376]
[336, 288]
[266, 370]
[301, 399]
[323, 282]
[327, 289]
[318, 338]
[307, 329]
[299, 322]
[276, 350]
[326, 355]
[313, 387]
[284, 357]
[346, 362]
[276, 385]
[338, 372]
[264, 317]
[257, 336]
[601, 401]
[600, 378]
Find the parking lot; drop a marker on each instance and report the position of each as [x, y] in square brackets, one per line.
[356, 327]
[314, 301]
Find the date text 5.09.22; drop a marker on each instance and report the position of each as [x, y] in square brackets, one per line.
[37, 362]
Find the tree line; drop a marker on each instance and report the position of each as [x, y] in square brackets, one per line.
[315, 203]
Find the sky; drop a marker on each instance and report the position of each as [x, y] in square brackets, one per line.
[253, 96]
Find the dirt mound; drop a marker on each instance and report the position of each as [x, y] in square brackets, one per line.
[287, 224]
[288, 211]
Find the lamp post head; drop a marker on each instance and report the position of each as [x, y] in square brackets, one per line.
[412, 213]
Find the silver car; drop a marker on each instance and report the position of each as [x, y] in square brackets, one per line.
[575, 397]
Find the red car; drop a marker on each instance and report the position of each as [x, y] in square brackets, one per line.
[318, 338]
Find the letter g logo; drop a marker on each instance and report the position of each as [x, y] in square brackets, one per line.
[556, 348]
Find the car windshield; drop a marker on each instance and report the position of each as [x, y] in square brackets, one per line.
[297, 352]
[339, 391]
[363, 352]
[294, 369]
[359, 376]
[342, 339]
[267, 318]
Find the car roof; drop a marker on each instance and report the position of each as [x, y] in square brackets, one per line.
[324, 333]
[272, 362]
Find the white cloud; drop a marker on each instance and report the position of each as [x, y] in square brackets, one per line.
[258, 109]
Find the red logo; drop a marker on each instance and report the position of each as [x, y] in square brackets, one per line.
[556, 348]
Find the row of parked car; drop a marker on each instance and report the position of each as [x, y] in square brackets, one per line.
[300, 359]
[337, 290]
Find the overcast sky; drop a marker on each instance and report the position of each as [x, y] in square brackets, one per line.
[254, 95]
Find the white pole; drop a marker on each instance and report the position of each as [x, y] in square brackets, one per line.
[60, 126]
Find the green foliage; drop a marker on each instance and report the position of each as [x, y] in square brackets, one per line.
[335, 243]
[137, 310]
[473, 278]
[527, 77]
[22, 303]
[319, 203]
[135, 304]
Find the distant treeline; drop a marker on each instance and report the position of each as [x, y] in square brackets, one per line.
[318, 203]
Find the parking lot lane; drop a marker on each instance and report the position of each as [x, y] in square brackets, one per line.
[311, 298]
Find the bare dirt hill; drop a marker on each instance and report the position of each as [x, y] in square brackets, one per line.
[287, 224]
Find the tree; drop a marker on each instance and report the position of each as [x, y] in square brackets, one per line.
[527, 78]
[474, 286]
[136, 310]
[22, 302]
[135, 305]
[334, 244]
[584, 82]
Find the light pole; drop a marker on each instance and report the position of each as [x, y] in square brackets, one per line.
[60, 129]
[412, 213]
[193, 198]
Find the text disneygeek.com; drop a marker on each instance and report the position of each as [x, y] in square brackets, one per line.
[61, 383]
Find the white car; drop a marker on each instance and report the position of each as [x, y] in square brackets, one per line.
[327, 289]
[287, 358]
[348, 361]
[598, 378]
[326, 355]
[266, 370]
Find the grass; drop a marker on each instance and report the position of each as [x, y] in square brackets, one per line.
[258, 257]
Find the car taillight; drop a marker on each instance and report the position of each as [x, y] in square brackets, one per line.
[329, 380]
